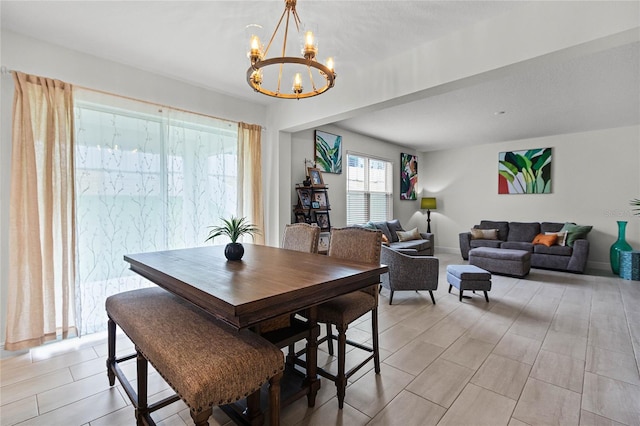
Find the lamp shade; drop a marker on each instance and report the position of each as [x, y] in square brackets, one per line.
[428, 203]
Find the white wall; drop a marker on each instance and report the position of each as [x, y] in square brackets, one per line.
[594, 176]
[302, 146]
[35, 57]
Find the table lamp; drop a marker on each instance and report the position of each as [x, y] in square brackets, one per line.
[428, 203]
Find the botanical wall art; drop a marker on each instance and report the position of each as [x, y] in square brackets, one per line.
[525, 172]
[328, 152]
[408, 176]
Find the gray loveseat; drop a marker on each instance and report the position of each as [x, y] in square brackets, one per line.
[571, 257]
[423, 246]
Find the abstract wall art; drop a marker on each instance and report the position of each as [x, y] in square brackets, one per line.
[525, 172]
[408, 176]
[328, 152]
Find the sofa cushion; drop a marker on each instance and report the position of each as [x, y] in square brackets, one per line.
[554, 250]
[551, 227]
[575, 232]
[517, 245]
[385, 229]
[521, 231]
[502, 227]
[394, 226]
[485, 243]
[409, 235]
[484, 234]
[419, 245]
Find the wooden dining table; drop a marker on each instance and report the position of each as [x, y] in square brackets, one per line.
[267, 283]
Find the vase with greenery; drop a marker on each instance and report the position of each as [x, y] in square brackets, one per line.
[234, 228]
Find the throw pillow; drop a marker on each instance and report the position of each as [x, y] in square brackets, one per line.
[385, 240]
[562, 237]
[394, 226]
[484, 234]
[413, 234]
[575, 232]
[547, 240]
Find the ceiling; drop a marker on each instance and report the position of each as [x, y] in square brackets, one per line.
[203, 43]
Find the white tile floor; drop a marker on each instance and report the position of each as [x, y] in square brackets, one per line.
[553, 348]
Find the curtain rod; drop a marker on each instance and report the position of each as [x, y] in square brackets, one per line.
[6, 71]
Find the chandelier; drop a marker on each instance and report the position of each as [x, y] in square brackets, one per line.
[309, 77]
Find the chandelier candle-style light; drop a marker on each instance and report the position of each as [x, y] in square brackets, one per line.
[308, 77]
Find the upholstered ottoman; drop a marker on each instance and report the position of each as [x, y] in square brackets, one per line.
[468, 277]
[516, 263]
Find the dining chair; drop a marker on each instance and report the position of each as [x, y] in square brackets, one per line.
[361, 245]
[299, 237]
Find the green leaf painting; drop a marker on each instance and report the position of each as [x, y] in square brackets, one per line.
[525, 172]
[328, 152]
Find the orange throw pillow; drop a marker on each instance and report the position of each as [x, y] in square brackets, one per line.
[385, 240]
[547, 240]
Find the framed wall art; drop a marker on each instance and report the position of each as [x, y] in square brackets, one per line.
[408, 176]
[525, 172]
[328, 149]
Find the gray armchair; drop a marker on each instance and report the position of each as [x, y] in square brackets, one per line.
[408, 272]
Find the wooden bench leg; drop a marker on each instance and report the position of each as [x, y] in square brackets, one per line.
[111, 347]
[142, 409]
[274, 400]
[486, 297]
[201, 418]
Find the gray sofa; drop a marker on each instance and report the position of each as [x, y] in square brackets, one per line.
[418, 247]
[519, 236]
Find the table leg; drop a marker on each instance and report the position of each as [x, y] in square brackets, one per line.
[312, 381]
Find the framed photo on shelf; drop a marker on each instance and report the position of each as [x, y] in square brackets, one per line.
[315, 176]
[305, 197]
[322, 219]
[323, 242]
[301, 218]
[321, 199]
[315, 205]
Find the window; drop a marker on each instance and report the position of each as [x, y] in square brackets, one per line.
[147, 179]
[369, 189]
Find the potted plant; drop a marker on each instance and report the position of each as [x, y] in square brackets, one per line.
[233, 228]
[635, 202]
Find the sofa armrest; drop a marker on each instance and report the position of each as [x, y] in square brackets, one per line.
[465, 244]
[579, 256]
[427, 236]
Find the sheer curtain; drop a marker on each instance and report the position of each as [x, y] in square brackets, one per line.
[40, 299]
[148, 178]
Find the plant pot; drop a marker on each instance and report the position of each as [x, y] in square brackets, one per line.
[620, 245]
[234, 251]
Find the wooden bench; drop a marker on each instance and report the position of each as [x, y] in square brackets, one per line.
[206, 362]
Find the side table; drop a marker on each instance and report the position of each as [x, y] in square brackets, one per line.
[630, 265]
